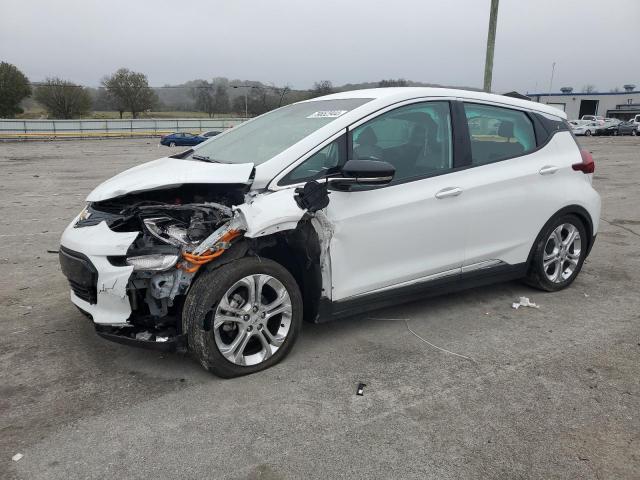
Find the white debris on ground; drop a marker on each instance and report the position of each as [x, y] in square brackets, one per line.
[17, 457]
[524, 302]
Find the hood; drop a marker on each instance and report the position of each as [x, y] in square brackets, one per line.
[170, 172]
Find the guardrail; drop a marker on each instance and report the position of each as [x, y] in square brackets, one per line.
[25, 129]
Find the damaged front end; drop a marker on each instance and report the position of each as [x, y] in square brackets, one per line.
[139, 253]
[155, 243]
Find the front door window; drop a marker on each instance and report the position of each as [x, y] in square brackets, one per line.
[415, 139]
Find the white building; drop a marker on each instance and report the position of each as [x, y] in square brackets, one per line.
[622, 105]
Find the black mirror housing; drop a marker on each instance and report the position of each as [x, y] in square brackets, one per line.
[368, 168]
[364, 172]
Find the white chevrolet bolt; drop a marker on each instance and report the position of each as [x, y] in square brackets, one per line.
[328, 208]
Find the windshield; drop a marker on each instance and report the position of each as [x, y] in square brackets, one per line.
[268, 135]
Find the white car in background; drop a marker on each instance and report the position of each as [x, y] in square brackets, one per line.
[328, 208]
[594, 118]
[584, 127]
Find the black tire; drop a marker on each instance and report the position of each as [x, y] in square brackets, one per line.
[172, 144]
[205, 295]
[536, 276]
[588, 133]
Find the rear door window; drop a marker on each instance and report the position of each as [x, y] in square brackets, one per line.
[498, 133]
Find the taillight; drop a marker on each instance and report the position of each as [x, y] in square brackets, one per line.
[587, 165]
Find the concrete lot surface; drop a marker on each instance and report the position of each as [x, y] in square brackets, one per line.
[551, 393]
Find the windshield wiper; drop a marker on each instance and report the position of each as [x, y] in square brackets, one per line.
[204, 158]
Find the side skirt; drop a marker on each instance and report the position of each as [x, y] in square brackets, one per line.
[365, 303]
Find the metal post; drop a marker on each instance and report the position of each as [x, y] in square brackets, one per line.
[491, 42]
[553, 69]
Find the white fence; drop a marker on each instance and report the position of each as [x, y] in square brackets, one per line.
[89, 128]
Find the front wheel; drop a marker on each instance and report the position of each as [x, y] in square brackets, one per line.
[588, 133]
[558, 255]
[172, 144]
[242, 317]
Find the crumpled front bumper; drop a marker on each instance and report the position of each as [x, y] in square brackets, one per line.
[95, 244]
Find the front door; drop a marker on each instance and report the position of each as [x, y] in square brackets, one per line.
[412, 230]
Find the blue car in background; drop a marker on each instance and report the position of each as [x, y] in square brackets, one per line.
[181, 139]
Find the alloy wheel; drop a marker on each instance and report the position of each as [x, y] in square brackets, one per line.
[252, 320]
[562, 253]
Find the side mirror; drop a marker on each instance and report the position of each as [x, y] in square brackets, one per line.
[364, 172]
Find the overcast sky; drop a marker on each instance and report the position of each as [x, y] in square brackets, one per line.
[345, 41]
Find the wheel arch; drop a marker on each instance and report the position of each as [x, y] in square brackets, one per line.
[297, 250]
[576, 210]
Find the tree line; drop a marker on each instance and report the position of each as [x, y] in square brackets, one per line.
[123, 91]
[129, 91]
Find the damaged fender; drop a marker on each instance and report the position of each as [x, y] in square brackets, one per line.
[279, 211]
[270, 213]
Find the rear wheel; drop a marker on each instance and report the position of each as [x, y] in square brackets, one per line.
[588, 133]
[243, 317]
[558, 254]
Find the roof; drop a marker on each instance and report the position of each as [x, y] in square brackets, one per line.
[581, 94]
[392, 95]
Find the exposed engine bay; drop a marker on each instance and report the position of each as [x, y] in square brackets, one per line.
[182, 229]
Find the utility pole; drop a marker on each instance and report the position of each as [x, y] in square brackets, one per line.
[553, 69]
[247, 88]
[491, 42]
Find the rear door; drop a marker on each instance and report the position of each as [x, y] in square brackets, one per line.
[513, 186]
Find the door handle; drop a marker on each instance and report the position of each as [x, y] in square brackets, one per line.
[548, 170]
[449, 192]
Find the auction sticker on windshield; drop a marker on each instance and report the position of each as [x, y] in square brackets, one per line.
[327, 114]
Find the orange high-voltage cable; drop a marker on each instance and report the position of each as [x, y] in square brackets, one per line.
[198, 260]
